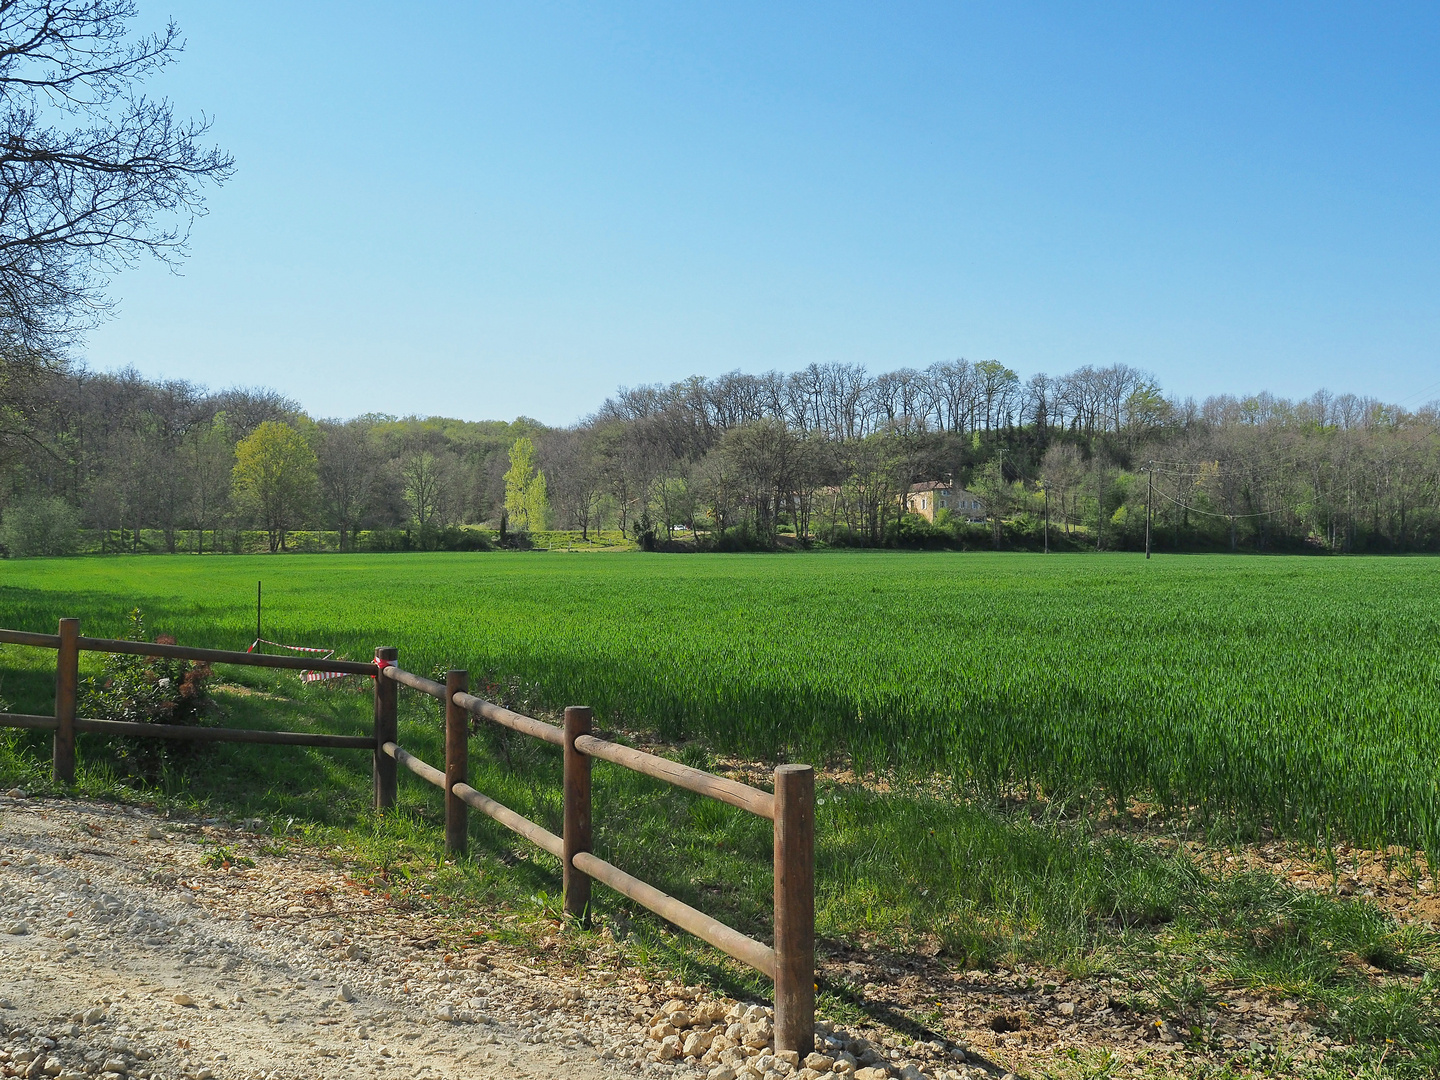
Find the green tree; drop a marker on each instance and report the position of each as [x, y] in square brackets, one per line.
[990, 484]
[275, 477]
[210, 457]
[40, 525]
[526, 500]
[422, 488]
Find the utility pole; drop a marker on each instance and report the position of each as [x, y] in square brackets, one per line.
[1149, 495]
[1047, 519]
[995, 511]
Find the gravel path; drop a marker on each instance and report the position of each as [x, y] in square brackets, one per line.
[122, 954]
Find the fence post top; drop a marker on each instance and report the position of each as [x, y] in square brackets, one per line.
[386, 652]
[791, 770]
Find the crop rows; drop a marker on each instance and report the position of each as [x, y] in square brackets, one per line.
[1295, 691]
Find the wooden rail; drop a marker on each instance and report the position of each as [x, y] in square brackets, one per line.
[193, 734]
[181, 652]
[760, 803]
[541, 838]
[526, 725]
[745, 949]
[790, 962]
[428, 773]
[23, 637]
[417, 682]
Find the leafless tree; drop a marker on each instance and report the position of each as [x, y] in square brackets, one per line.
[93, 173]
[576, 478]
[347, 461]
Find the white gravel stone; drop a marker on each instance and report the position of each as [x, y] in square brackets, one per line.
[138, 921]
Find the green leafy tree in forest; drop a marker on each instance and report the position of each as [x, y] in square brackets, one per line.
[526, 502]
[990, 484]
[275, 478]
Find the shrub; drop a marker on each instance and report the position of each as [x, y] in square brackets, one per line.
[148, 690]
[428, 538]
[739, 538]
[913, 531]
[839, 536]
[40, 525]
[517, 540]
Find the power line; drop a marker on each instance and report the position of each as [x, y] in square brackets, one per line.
[1227, 517]
[1212, 468]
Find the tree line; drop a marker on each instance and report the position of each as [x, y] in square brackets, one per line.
[122, 456]
[823, 454]
[829, 452]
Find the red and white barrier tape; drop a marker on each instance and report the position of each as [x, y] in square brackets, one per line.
[307, 676]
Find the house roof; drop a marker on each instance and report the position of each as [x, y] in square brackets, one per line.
[943, 486]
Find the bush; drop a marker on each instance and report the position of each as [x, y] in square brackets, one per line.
[838, 536]
[148, 690]
[517, 540]
[738, 538]
[913, 531]
[452, 538]
[40, 525]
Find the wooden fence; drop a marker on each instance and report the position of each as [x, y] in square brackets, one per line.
[790, 963]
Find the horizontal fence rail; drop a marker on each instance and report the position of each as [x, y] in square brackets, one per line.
[183, 652]
[21, 637]
[760, 803]
[745, 949]
[542, 838]
[428, 773]
[416, 682]
[526, 725]
[194, 734]
[791, 807]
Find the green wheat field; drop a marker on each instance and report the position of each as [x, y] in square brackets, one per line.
[1295, 692]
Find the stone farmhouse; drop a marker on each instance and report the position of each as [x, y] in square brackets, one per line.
[927, 498]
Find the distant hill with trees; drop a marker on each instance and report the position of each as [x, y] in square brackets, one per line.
[742, 460]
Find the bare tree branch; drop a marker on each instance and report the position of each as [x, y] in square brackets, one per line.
[93, 174]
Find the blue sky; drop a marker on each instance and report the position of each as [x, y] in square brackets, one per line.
[489, 210]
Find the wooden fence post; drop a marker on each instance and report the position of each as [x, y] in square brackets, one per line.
[67, 686]
[386, 730]
[576, 884]
[795, 908]
[457, 763]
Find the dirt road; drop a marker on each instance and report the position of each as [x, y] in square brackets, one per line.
[121, 953]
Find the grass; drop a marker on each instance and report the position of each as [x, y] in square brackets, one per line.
[1286, 692]
[908, 863]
